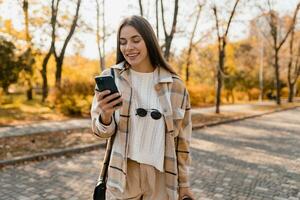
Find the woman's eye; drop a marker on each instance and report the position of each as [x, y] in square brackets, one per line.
[122, 42]
[137, 40]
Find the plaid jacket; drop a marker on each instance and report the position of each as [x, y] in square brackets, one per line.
[175, 102]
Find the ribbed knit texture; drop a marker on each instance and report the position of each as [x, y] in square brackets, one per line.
[147, 136]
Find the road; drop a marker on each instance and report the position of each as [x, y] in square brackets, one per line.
[257, 158]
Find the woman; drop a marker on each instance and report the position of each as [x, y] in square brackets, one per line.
[152, 127]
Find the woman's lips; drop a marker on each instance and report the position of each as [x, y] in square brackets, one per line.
[132, 55]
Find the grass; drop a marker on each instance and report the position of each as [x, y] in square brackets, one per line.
[15, 109]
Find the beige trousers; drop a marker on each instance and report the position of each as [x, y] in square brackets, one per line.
[143, 182]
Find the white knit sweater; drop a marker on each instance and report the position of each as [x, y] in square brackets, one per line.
[146, 136]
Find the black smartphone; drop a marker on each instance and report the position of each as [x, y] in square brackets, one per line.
[107, 83]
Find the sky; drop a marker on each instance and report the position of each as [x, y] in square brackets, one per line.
[115, 10]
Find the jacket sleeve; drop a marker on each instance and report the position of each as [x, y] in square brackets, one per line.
[98, 128]
[183, 141]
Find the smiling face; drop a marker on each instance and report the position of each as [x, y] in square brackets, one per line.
[134, 48]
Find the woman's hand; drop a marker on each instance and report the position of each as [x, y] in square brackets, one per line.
[185, 192]
[106, 106]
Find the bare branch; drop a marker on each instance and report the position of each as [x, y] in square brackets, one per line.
[231, 16]
[163, 17]
[72, 29]
[173, 30]
[291, 27]
[217, 21]
[156, 15]
[141, 7]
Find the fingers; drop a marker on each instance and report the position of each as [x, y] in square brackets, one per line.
[111, 97]
[108, 104]
[101, 95]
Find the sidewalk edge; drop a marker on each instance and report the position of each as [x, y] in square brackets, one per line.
[53, 153]
[199, 126]
[90, 147]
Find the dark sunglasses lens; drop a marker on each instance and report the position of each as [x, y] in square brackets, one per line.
[156, 115]
[141, 112]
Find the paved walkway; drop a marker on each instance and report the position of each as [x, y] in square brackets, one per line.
[56, 126]
[257, 159]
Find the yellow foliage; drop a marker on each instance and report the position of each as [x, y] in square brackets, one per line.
[201, 94]
[254, 92]
[230, 65]
[74, 97]
[9, 29]
[285, 92]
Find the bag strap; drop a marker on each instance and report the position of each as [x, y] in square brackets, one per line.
[112, 71]
[109, 143]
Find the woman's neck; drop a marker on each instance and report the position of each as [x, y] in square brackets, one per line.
[143, 67]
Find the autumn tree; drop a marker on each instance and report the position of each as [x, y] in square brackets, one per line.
[191, 42]
[277, 41]
[59, 57]
[222, 42]
[293, 64]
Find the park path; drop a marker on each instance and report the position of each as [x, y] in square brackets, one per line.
[45, 127]
[257, 158]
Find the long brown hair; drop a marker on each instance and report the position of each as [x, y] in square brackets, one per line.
[146, 31]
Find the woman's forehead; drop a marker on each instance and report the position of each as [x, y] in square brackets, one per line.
[128, 32]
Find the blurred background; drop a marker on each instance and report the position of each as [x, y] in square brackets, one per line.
[227, 52]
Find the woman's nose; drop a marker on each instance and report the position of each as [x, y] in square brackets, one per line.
[129, 46]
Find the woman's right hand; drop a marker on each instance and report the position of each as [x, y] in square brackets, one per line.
[107, 107]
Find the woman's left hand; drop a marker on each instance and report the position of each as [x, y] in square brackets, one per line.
[185, 191]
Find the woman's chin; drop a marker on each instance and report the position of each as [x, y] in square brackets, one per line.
[133, 62]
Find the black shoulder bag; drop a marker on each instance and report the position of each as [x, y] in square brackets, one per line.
[100, 189]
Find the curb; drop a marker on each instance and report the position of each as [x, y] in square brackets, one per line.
[52, 153]
[200, 126]
[90, 147]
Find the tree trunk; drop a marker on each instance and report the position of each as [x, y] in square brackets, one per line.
[98, 36]
[220, 77]
[167, 47]
[5, 89]
[59, 63]
[218, 91]
[249, 95]
[232, 96]
[191, 44]
[169, 37]
[277, 76]
[29, 93]
[44, 76]
[59, 59]
[291, 92]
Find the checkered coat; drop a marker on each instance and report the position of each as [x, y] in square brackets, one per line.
[175, 102]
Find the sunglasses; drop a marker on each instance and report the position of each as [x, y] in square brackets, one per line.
[155, 114]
